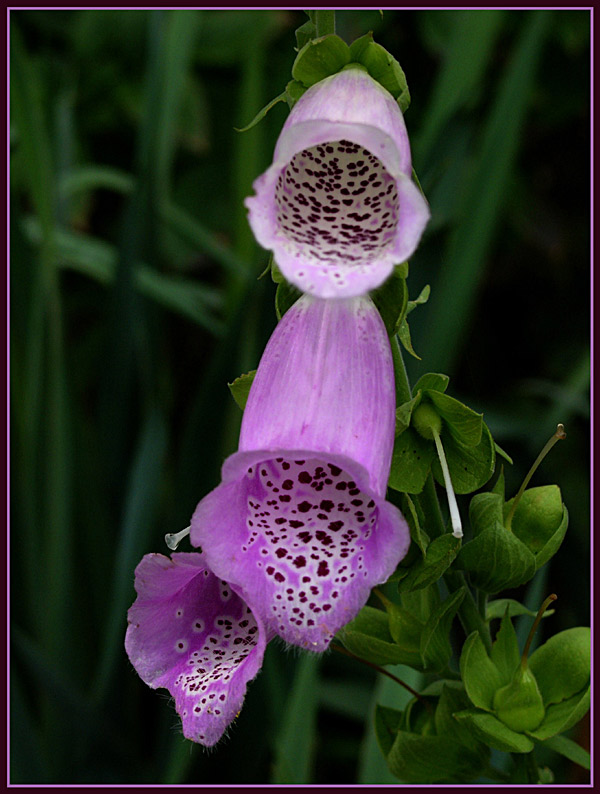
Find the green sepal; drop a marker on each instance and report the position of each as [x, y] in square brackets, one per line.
[368, 636]
[431, 759]
[480, 675]
[320, 58]
[540, 521]
[499, 607]
[560, 717]
[569, 749]
[285, 297]
[387, 722]
[263, 112]
[485, 511]
[453, 698]
[404, 413]
[391, 300]
[406, 632]
[562, 664]
[382, 67]
[433, 381]
[488, 728]
[435, 645]
[465, 424]
[305, 33]
[404, 330]
[519, 704]
[240, 388]
[293, 91]
[470, 466]
[411, 462]
[505, 650]
[503, 453]
[276, 274]
[440, 554]
[410, 511]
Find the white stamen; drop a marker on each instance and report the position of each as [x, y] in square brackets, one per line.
[454, 514]
[174, 539]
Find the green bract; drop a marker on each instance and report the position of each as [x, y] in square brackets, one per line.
[467, 441]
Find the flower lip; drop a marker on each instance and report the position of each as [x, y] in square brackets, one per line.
[192, 634]
[337, 207]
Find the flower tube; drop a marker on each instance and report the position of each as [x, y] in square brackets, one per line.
[300, 524]
[190, 633]
[338, 207]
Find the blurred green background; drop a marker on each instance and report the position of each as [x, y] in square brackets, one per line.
[135, 299]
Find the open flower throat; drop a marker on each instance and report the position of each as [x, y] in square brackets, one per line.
[337, 204]
[307, 523]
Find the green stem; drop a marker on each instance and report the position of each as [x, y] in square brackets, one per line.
[468, 613]
[324, 22]
[482, 603]
[403, 392]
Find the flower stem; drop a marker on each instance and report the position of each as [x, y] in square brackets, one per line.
[383, 671]
[536, 623]
[559, 434]
[324, 22]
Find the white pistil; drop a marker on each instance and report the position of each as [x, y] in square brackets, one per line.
[174, 539]
[454, 514]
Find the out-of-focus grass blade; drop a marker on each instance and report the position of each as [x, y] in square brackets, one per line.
[454, 293]
[349, 699]
[142, 492]
[26, 760]
[373, 767]
[295, 744]
[471, 45]
[93, 177]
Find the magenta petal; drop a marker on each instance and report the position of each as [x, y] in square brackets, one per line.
[337, 207]
[190, 633]
[300, 523]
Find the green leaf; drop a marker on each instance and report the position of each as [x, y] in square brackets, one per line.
[480, 675]
[470, 467]
[368, 636]
[263, 112]
[293, 92]
[485, 511]
[465, 424]
[553, 543]
[404, 336]
[570, 750]
[560, 717]
[391, 300]
[285, 297]
[417, 535]
[438, 558]
[382, 67]
[411, 462]
[502, 453]
[406, 630]
[453, 698]
[499, 607]
[240, 388]
[320, 58]
[387, 722]
[404, 413]
[540, 521]
[435, 645]
[490, 730]
[505, 650]
[433, 381]
[422, 298]
[496, 560]
[562, 664]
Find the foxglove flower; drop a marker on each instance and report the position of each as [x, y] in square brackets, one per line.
[300, 524]
[337, 207]
[190, 633]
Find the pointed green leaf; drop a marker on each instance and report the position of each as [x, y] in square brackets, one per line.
[391, 300]
[464, 423]
[293, 92]
[435, 645]
[453, 698]
[502, 453]
[285, 297]
[552, 545]
[262, 113]
[411, 462]
[505, 650]
[480, 675]
[404, 336]
[305, 33]
[368, 636]
[560, 717]
[240, 388]
[562, 664]
[382, 67]
[432, 380]
[410, 513]
[490, 730]
[420, 300]
[406, 630]
[404, 413]
[320, 58]
[485, 511]
[431, 759]
[499, 607]
[570, 750]
[438, 558]
[387, 722]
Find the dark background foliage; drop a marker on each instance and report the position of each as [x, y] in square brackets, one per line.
[135, 299]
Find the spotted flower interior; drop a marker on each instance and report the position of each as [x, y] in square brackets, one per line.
[194, 636]
[337, 205]
[307, 527]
